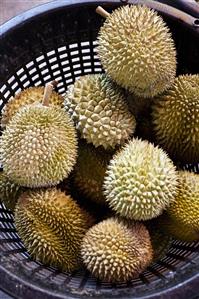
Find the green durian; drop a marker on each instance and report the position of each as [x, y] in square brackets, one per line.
[115, 252]
[99, 110]
[176, 121]
[141, 181]
[137, 51]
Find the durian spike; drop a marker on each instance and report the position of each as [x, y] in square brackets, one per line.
[102, 12]
[48, 91]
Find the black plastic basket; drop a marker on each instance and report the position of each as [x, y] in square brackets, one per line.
[57, 41]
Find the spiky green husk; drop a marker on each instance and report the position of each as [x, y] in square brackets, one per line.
[39, 146]
[185, 207]
[9, 192]
[52, 226]
[116, 252]
[28, 96]
[176, 121]
[177, 229]
[137, 51]
[141, 181]
[99, 110]
[90, 170]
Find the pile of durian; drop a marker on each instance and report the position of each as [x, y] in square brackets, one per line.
[93, 178]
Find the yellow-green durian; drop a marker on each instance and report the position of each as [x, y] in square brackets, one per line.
[90, 170]
[28, 96]
[141, 181]
[115, 252]
[136, 50]
[185, 207]
[99, 110]
[52, 226]
[176, 119]
[9, 191]
[39, 146]
[177, 229]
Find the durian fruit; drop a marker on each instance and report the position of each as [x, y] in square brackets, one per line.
[141, 181]
[52, 226]
[137, 51]
[39, 146]
[161, 241]
[177, 229]
[176, 121]
[115, 252]
[185, 207]
[28, 96]
[9, 191]
[90, 170]
[99, 110]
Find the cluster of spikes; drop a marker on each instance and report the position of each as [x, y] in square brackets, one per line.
[66, 158]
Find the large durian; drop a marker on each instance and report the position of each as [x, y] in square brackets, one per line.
[52, 226]
[185, 207]
[116, 252]
[176, 119]
[137, 51]
[39, 146]
[28, 96]
[99, 110]
[9, 191]
[141, 181]
[90, 170]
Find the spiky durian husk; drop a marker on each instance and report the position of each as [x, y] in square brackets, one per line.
[9, 191]
[28, 96]
[39, 146]
[116, 252]
[176, 121]
[137, 51]
[99, 110]
[51, 226]
[90, 170]
[141, 181]
[177, 229]
[185, 207]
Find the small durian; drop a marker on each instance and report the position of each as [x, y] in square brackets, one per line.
[90, 170]
[185, 207]
[28, 96]
[9, 191]
[52, 226]
[115, 252]
[175, 118]
[161, 241]
[39, 146]
[137, 51]
[99, 110]
[141, 181]
[177, 229]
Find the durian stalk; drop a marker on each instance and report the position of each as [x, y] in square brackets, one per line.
[102, 12]
[48, 91]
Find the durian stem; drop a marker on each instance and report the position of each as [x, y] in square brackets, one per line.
[102, 12]
[48, 91]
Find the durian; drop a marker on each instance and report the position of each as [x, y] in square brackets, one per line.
[28, 96]
[185, 207]
[176, 121]
[137, 51]
[141, 181]
[39, 146]
[115, 252]
[51, 226]
[90, 170]
[177, 229]
[9, 191]
[99, 110]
